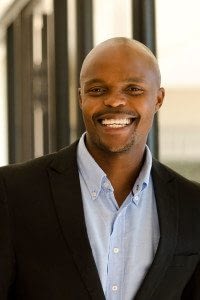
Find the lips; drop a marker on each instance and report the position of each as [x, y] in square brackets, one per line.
[115, 120]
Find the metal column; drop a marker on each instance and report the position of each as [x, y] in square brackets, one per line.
[144, 31]
[84, 41]
[61, 74]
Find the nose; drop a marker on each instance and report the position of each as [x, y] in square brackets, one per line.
[115, 100]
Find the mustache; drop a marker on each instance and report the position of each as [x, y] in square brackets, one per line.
[113, 110]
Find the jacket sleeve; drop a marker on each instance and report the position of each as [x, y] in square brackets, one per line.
[7, 273]
[192, 289]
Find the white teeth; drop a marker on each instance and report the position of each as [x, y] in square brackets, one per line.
[116, 123]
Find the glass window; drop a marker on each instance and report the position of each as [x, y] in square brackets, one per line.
[178, 45]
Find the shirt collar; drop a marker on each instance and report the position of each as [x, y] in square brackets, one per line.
[90, 171]
[95, 177]
[142, 181]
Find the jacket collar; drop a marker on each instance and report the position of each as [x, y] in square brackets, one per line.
[65, 186]
[164, 181]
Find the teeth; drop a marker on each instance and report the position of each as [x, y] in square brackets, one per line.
[116, 123]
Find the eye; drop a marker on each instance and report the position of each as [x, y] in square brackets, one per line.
[97, 91]
[134, 90]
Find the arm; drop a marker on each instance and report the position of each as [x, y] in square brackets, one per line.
[7, 273]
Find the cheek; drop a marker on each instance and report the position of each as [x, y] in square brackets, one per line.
[147, 112]
[90, 107]
[88, 110]
[146, 109]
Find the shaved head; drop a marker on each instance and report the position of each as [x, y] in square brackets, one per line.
[119, 95]
[118, 45]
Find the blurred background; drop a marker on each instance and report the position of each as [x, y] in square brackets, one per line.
[42, 46]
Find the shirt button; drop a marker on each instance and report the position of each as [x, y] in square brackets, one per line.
[116, 250]
[114, 288]
[136, 198]
[94, 194]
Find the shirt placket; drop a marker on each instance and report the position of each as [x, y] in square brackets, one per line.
[116, 259]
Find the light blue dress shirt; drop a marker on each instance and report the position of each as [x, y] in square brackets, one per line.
[123, 240]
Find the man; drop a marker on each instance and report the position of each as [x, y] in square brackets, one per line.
[99, 220]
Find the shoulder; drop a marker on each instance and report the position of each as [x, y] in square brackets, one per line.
[39, 165]
[160, 169]
[166, 177]
[176, 195]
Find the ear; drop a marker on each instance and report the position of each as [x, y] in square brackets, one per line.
[160, 98]
[80, 98]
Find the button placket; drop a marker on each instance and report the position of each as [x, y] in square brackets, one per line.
[116, 260]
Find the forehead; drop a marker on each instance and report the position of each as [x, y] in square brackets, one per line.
[121, 62]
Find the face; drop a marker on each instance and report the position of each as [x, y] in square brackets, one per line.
[119, 96]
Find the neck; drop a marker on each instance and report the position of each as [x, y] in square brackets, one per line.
[122, 169]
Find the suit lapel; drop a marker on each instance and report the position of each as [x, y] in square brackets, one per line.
[66, 191]
[167, 206]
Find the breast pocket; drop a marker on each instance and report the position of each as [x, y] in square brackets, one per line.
[176, 276]
[187, 261]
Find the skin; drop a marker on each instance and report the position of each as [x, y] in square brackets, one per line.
[119, 83]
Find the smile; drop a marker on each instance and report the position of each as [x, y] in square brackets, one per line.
[116, 123]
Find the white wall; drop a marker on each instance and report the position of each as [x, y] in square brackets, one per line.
[111, 18]
[178, 31]
[3, 108]
[4, 4]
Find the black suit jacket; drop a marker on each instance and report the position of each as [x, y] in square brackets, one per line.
[44, 247]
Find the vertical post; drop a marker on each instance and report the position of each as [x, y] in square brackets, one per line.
[10, 93]
[27, 87]
[144, 31]
[19, 49]
[61, 74]
[44, 91]
[84, 14]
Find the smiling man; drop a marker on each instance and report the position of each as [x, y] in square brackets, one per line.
[119, 95]
[101, 219]
[125, 82]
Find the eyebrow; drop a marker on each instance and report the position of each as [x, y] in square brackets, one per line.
[131, 79]
[135, 79]
[95, 80]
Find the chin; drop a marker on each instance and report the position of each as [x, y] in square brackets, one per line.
[116, 148]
